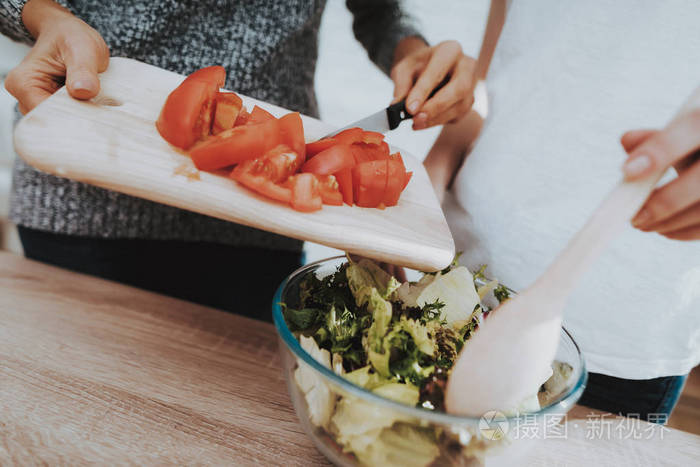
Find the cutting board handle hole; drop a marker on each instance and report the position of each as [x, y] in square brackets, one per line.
[107, 101]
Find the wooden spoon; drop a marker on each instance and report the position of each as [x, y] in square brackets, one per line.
[511, 354]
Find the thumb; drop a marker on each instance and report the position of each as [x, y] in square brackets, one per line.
[82, 65]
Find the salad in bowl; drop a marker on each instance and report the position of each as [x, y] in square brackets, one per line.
[367, 360]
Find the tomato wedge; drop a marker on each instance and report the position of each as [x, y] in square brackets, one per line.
[330, 161]
[395, 178]
[228, 106]
[215, 75]
[321, 145]
[236, 145]
[245, 175]
[372, 137]
[349, 136]
[344, 179]
[369, 183]
[292, 133]
[260, 115]
[187, 113]
[305, 193]
[407, 179]
[328, 189]
[243, 117]
[278, 164]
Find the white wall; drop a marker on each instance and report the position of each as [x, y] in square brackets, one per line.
[348, 85]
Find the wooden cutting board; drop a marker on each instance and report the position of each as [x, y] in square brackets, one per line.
[111, 141]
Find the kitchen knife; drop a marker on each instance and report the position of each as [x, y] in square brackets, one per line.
[389, 118]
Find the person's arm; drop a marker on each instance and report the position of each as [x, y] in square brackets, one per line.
[65, 49]
[673, 210]
[416, 68]
[449, 150]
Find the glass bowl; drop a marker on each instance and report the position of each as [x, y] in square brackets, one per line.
[412, 435]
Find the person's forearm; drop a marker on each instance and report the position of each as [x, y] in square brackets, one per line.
[448, 151]
[39, 13]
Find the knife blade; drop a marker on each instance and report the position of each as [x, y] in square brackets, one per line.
[387, 119]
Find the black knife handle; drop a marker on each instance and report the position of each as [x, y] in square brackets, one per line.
[397, 113]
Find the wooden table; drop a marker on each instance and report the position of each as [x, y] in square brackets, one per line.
[96, 372]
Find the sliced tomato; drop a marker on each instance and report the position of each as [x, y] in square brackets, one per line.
[245, 175]
[360, 153]
[349, 136]
[236, 145]
[243, 117]
[228, 106]
[395, 178]
[372, 137]
[344, 179]
[321, 145]
[187, 113]
[279, 163]
[329, 191]
[260, 115]
[369, 183]
[305, 193]
[292, 131]
[330, 161]
[375, 151]
[407, 179]
[215, 75]
[397, 157]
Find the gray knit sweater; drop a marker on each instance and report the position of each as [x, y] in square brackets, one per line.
[269, 49]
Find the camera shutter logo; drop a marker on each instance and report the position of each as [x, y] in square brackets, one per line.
[493, 425]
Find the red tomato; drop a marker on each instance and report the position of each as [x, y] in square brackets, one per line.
[375, 151]
[330, 161]
[243, 117]
[407, 179]
[344, 179]
[349, 136]
[186, 114]
[245, 175]
[292, 131]
[305, 193]
[395, 178]
[212, 74]
[360, 153]
[369, 183]
[228, 106]
[259, 115]
[278, 164]
[236, 145]
[321, 145]
[328, 189]
[397, 157]
[372, 137]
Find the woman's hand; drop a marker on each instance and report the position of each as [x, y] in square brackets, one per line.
[673, 210]
[418, 69]
[66, 50]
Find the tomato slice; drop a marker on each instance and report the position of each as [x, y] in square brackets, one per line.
[360, 153]
[349, 136]
[369, 183]
[260, 115]
[375, 151]
[245, 175]
[330, 161]
[292, 131]
[187, 113]
[318, 146]
[344, 179]
[215, 75]
[372, 137]
[397, 157]
[328, 189]
[243, 117]
[395, 178]
[279, 163]
[228, 106]
[407, 179]
[305, 193]
[236, 145]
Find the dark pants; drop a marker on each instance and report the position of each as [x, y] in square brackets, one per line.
[649, 399]
[238, 279]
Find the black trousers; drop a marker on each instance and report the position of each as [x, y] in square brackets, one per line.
[242, 280]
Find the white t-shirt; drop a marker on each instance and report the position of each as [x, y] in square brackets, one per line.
[568, 78]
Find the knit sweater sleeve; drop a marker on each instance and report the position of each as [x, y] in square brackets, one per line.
[380, 25]
[11, 24]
